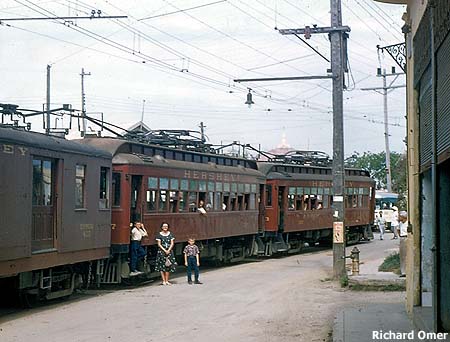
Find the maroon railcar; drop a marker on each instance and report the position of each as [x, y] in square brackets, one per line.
[297, 204]
[156, 184]
[55, 212]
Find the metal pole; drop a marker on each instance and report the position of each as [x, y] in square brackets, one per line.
[83, 102]
[339, 270]
[386, 134]
[202, 130]
[434, 181]
[47, 127]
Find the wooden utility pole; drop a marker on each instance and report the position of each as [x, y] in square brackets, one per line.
[338, 63]
[47, 126]
[385, 89]
[337, 69]
[83, 102]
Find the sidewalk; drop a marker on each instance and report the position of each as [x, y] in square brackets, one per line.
[369, 275]
[367, 322]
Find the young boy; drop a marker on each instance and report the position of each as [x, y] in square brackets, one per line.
[192, 260]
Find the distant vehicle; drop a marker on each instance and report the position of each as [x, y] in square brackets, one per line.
[384, 201]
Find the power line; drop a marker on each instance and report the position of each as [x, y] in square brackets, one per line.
[183, 10]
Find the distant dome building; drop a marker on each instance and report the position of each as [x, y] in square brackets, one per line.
[281, 149]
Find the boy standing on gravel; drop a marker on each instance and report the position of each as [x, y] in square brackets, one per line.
[192, 260]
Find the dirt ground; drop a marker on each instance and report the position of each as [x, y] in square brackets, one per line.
[285, 299]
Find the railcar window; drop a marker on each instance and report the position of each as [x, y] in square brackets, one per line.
[169, 155]
[80, 186]
[104, 188]
[291, 200]
[233, 201]
[193, 185]
[197, 158]
[173, 201]
[193, 201]
[247, 188]
[205, 159]
[183, 201]
[116, 189]
[218, 204]
[210, 201]
[164, 183]
[228, 162]
[298, 202]
[162, 200]
[226, 201]
[42, 182]
[306, 204]
[247, 202]
[240, 203]
[148, 151]
[233, 187]
[152, 183]
[202, 186]
[269, 195]
[252, 202]
[313, 201]
[234, 162]
[241, 188]
[159, 152]
[184, 184]
[151, 200]
[174, 184]
[178, 156]
[136, 149]
[213, 160]
[220, 161]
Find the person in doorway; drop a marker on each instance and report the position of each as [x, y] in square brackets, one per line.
[381, 222]
[137, 251]
[192, 260]
[165, 258]
[403, 233]
[394, 222]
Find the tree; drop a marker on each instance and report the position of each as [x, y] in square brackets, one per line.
[375, 163]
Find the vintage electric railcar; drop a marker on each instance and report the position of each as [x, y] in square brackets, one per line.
[297, 205]
[55, 215]
[67, 207]
[156, 184]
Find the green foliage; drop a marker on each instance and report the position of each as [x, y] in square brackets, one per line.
[375, 163]
[344, 281]
[391, 264]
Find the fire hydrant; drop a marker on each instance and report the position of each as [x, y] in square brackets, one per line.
[354, 255]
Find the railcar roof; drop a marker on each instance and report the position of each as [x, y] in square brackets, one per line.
[271, 170]
[158, 161]
[17, 136]
[117, 146]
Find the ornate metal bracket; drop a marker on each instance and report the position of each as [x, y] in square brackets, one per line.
[397, 52]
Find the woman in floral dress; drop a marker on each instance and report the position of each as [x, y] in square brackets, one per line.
[165, 241]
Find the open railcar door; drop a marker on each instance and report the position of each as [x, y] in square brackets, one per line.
[43, 205]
